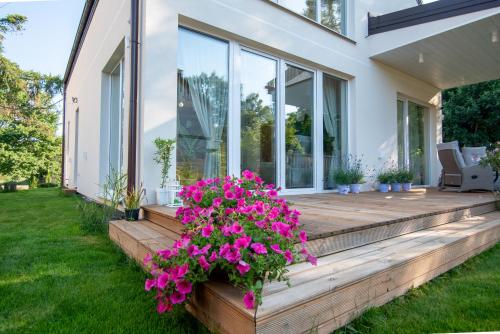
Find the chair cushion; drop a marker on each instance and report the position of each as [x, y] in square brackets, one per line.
[453, 145]
[472, 155]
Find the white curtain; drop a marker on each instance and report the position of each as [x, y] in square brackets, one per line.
[330, 114]
[210, 101]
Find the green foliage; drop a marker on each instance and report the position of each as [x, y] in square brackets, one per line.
[472, 114]
[94, 217]
[342, 176]
[163, 156]
[113, 189]
[11, 23]
[355, 170]
[404, 175]
[29, 147]
[133, 199]
[385, 177]
[492, 158]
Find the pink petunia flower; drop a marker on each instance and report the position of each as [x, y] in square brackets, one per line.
[248, 175]
[249, 300]
[183, 287]
[213, 257]
[276, 248]
[243, 267]
[197, 196]
[149, 284]
[204, 250]
[177, 297]
[312, 260]
[303, 237]
[288, 256]
[207, 230]
[162, 280]
[260, 223]
[147, 259]
[217, 202]
[229, 195]
[236, 228]
[259, 248]
[203, 263]
[163, 307]
[243, 242]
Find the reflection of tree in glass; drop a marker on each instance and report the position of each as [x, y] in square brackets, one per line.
[297, 124]
[331, 14]
[257, 132]
[310, 10]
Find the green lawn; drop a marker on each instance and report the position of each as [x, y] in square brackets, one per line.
[54, 278]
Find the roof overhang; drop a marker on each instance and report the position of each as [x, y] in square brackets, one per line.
[453, 51]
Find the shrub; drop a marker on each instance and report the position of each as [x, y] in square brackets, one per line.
[133, 199]
[342, 176]
[355, 170]
[385, 177]
[404, 175]
[93, 217]
[163, 154]
[48, 185]
[237, 226]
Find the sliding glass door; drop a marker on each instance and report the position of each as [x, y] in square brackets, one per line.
[412, 139]
[299, 110]
[258, 78]
[202, 106]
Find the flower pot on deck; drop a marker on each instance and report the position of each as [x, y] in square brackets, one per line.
[406, 186]
[355, 188]
[132, 214]
[383, 187]
[396, 187]
[161, 196]
[343, 189]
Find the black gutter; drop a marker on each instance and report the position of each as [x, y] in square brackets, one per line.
[134, 76]
[433, 11]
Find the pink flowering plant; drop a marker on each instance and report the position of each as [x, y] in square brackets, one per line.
[238, 226]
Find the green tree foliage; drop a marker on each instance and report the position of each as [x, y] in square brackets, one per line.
[10, 23]
[472, 114]
[29, 147]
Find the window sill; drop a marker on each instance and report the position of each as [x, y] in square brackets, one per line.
[319, 25]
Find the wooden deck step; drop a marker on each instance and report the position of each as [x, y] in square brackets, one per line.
[163, 216]
[343, 285]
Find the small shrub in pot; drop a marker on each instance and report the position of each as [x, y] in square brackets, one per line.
[384, 178]
[356, 174]
[342, 178]
[132, 203]
[406, 177]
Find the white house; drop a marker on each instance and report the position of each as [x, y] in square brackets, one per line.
[285, 88]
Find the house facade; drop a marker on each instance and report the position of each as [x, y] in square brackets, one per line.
[286, 88]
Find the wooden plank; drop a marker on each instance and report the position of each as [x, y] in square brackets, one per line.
[324, 284]
[382, 285]
[163, 220]
[336, 264]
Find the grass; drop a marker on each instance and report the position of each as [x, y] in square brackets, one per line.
[56, 279]
[465, 299]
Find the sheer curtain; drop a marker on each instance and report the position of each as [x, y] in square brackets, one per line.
[330, 114]
[210, 100]
[203, 65]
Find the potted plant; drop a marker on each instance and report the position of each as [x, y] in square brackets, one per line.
[395, 180]
[132, 202]
[342, 178]
[384, 178]
[163, 156]
[356, 174]
[406, 178]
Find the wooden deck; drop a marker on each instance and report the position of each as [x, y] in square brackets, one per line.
[373, 247]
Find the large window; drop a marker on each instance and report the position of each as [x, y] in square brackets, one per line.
[258, 115]
[330, 13]
[242, 109]
[411, 120]
[334, 127]
[116, 119]
[202, 106]
[299, 108]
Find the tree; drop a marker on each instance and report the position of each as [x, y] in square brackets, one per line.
[29, 147]
[11, 23]
[472, 114]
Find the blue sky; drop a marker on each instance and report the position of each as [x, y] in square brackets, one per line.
[46, 42]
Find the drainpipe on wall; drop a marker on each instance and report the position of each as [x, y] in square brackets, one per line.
[63, 153]
[132, 132]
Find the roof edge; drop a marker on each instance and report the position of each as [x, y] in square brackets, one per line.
[85, 20]
[426, 13]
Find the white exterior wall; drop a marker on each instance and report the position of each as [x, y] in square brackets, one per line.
[109, 28]
[372, 90]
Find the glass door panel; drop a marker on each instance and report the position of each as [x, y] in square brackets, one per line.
[299, 106]
[416, 141]
[258, 115]
[401, 134]
[334, 129]
[202, 106]
[115, 120]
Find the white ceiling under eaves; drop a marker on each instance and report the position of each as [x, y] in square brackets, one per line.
[460, 56]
